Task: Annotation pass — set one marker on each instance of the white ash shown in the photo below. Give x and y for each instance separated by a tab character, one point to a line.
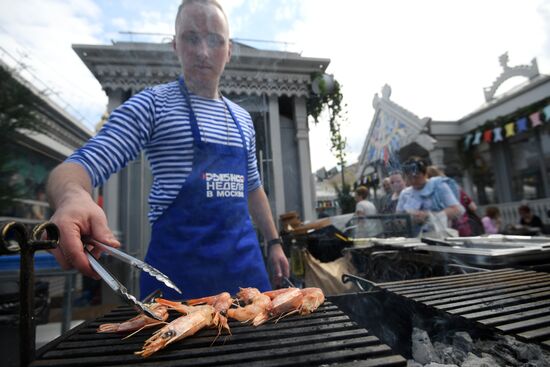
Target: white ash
462	351
422	349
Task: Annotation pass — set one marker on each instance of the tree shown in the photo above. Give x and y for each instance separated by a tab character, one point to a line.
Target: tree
345	198
17	113
331	97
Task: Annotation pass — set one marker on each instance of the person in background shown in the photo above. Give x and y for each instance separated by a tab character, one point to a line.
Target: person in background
363	206
491	221
425	196
40	208
469	224
365	227
528	219
386	199
198	144
397	185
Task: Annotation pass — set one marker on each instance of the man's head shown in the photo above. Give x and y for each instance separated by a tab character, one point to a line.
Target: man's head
397	182
414	170
386	185
361	193
202	44
524	212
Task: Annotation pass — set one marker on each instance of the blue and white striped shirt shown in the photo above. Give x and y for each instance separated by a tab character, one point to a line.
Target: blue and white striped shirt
156	120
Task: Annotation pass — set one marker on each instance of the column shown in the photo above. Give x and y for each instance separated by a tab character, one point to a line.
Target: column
111	199
112	208
302	139
277	155
436	157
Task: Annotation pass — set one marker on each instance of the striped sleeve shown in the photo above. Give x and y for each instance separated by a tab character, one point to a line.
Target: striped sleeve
120	140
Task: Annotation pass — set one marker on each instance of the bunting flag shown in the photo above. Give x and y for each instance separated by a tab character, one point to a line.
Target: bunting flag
467	141
477	138
535	119
511	128
521	124
497	135
488	136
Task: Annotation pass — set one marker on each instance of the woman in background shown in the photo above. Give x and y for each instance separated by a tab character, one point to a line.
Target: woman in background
425	197
491	221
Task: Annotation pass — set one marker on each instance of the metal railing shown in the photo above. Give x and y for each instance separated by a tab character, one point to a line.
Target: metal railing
509	211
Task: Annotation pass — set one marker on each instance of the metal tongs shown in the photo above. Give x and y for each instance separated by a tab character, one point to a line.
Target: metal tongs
115	284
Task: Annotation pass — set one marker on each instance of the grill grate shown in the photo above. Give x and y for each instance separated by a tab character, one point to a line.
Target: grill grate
327	336
511	301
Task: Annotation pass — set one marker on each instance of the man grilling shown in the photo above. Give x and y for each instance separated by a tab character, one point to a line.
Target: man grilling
201	148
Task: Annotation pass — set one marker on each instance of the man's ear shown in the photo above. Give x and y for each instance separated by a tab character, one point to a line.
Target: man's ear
174	43
229	51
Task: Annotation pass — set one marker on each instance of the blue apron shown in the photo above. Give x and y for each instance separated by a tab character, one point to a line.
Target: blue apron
205	241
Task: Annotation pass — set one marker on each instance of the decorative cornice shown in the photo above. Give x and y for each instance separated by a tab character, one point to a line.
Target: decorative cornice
528	71
135	66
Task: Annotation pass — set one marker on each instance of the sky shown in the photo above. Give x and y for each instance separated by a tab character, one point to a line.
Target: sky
436	55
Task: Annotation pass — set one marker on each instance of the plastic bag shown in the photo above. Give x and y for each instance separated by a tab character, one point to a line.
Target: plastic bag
436	226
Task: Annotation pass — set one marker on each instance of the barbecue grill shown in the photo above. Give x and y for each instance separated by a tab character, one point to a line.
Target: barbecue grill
511	301
327	336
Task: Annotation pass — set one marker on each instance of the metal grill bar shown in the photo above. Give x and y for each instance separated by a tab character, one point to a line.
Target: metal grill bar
327	336
511	301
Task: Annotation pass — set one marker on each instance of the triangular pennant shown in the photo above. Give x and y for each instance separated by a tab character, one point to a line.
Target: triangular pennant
521	124
546	112
477	138
467	141
509	127
488	136
535	119
497	134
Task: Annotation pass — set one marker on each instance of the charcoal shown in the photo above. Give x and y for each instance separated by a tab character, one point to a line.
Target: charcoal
485	360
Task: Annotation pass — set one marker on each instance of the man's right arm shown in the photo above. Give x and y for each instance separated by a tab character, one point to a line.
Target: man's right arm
76	214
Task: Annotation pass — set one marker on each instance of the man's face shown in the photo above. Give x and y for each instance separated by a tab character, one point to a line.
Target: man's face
397	182
202	44
416	180
387	186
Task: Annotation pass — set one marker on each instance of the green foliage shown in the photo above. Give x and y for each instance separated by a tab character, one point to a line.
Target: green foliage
17	112
332	101
345	198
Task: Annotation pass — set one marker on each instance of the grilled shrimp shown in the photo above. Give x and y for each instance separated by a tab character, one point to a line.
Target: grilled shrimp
313	298
221	303
137	323
255	301
283	303
178	306
178	329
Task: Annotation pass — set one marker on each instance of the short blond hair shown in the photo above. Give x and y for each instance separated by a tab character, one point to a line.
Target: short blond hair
202	2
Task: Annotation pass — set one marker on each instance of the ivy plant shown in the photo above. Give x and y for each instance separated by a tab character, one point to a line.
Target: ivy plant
331	100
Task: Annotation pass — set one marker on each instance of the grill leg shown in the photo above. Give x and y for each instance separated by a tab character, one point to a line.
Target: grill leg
67	302
27	331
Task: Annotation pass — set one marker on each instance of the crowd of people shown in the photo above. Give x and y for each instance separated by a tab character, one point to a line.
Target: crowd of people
437	203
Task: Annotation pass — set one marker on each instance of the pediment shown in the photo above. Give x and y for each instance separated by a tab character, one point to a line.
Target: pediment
392	128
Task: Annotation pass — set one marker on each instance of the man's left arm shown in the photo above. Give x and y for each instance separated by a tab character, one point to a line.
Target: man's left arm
258	205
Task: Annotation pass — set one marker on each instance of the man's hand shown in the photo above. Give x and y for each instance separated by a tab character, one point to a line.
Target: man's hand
419	216
279	264
76	215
